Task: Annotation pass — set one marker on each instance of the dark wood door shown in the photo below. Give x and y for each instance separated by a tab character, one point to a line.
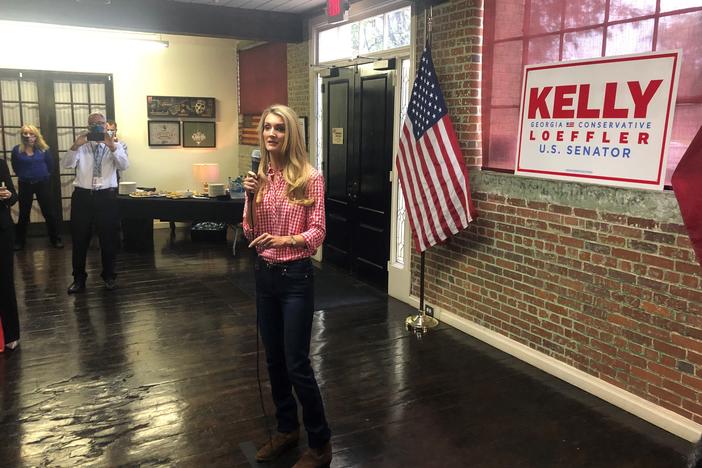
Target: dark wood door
358	133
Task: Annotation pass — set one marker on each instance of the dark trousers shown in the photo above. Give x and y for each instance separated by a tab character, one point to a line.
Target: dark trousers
8	298
285	303
26	193
97	209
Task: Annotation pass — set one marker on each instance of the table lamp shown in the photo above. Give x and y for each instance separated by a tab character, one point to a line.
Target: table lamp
206	173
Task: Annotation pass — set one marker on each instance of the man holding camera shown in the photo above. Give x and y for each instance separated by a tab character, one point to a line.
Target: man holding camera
96	158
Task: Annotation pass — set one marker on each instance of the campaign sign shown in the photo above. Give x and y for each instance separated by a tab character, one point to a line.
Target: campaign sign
605	121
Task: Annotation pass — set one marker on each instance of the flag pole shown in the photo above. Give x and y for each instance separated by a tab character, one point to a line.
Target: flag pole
421	322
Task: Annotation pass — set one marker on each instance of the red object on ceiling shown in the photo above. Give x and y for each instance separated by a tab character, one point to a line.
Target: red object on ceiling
263	77
333	7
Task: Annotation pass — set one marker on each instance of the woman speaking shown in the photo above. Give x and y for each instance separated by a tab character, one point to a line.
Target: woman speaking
286	225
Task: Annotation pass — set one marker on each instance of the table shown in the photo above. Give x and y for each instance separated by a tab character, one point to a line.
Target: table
138	214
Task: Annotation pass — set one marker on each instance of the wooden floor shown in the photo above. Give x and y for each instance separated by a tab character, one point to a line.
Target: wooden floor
162	372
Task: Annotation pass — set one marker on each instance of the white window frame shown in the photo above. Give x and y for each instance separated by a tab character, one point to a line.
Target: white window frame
399	275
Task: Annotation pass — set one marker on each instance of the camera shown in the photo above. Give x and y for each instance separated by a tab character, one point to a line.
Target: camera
97	133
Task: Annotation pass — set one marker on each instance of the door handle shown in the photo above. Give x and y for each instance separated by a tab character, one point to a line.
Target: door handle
353	191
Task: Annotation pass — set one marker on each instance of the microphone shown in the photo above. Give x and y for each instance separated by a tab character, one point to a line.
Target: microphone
255	160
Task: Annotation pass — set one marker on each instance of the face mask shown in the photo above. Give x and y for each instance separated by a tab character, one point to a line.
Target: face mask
25	139
111	133
97	128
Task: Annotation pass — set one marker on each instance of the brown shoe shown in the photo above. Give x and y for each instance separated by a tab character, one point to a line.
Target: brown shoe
281	442
315	458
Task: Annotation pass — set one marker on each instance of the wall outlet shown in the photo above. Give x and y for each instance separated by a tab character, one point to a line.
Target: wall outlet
429	310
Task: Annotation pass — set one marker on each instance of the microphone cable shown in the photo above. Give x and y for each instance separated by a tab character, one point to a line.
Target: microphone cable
258	349
258	379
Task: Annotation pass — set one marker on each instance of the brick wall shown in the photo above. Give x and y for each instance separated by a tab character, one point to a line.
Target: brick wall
600	278
298	78
456	50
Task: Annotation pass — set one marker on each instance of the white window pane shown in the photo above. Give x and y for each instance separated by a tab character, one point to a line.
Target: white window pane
97	93
99	109
62	91
9	90
12	137
397	28
66	186
670	5
80	92
63	115
544	49
11	114
80	115
582	44
626	9
28	91
65	138
630	38
684	32
401	216
335	43
30	114
371	35
320	131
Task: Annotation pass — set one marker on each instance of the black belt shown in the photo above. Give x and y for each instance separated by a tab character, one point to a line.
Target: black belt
105	190
272	265
93	192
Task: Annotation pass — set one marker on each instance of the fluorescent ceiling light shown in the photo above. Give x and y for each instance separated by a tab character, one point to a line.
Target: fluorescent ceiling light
88	40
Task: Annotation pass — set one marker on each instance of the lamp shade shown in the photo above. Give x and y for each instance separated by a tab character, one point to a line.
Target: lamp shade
206	172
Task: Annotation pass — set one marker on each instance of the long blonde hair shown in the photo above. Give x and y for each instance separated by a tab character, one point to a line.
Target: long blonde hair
40	143
297	169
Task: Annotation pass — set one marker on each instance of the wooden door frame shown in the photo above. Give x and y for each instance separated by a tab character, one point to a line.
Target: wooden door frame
47	111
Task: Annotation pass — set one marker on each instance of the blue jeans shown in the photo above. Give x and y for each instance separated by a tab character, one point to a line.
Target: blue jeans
285	303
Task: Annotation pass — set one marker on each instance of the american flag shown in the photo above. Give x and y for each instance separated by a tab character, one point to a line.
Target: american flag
430	166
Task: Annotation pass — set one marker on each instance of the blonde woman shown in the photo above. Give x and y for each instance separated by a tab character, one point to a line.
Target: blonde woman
33	165
288	226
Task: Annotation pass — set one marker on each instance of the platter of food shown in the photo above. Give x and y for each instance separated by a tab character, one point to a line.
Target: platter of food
144	194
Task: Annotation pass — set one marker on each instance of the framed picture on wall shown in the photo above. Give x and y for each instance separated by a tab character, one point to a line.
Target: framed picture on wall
180	107
199	135
164	133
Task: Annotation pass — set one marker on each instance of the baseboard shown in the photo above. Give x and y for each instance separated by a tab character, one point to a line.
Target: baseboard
644	409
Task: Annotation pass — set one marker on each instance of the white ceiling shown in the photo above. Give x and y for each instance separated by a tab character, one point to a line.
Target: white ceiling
285	6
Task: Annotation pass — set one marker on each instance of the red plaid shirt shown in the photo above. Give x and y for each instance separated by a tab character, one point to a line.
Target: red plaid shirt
277	216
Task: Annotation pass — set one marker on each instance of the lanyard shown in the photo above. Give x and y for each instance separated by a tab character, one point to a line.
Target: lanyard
97	158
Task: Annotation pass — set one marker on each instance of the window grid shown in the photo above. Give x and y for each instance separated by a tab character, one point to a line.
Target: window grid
93	104
5	125
527	39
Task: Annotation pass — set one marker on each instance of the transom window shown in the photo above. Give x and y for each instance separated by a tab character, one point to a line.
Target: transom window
522	32
390	30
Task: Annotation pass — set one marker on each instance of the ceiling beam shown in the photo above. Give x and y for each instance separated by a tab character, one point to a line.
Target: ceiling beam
159	16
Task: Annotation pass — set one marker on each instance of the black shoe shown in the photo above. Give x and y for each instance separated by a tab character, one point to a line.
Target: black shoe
57	243
76	287
18	246
110	284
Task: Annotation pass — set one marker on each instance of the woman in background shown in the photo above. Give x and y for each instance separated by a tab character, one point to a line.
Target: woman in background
286	225
8	299
32	164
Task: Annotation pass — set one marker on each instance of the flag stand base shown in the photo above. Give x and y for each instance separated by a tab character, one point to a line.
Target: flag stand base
420	323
